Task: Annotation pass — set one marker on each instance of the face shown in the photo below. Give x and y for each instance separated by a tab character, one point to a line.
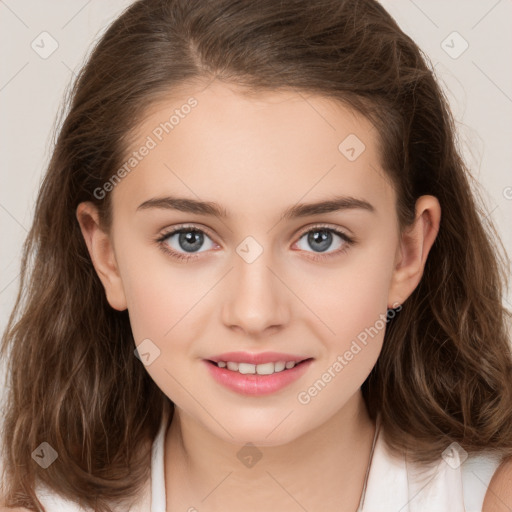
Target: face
314	284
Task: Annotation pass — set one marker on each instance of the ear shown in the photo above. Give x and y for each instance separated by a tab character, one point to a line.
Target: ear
102	254
413	249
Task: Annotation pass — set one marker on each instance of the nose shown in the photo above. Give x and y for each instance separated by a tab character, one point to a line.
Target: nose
256	297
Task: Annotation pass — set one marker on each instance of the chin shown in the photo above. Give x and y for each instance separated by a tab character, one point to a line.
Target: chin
261	432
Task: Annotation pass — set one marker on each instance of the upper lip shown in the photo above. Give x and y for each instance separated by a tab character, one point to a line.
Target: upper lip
260	358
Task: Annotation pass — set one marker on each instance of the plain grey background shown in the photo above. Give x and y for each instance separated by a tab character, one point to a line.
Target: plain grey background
468	41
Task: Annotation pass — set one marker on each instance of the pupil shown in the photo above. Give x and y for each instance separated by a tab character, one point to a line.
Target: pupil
190	238
324	239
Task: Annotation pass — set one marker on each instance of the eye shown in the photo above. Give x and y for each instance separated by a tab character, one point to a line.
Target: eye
320	238
184	242
185	238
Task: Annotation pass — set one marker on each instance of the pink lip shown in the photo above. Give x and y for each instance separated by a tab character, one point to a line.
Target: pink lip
254	384
261	358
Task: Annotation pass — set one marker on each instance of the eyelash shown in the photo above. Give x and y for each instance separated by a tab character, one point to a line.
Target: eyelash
190	228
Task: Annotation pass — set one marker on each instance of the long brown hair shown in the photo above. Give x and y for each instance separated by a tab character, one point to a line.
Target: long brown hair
445	370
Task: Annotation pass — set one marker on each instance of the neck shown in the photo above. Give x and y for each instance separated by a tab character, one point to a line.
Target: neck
324	469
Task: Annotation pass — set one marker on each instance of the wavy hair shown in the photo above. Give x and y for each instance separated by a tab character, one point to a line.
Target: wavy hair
445	370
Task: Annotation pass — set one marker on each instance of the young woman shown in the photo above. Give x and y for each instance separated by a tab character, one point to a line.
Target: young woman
257	278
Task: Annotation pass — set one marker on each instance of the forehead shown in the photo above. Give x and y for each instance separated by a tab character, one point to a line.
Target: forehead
252	152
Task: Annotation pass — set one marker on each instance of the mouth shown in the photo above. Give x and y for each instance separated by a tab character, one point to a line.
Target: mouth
258	369
257	379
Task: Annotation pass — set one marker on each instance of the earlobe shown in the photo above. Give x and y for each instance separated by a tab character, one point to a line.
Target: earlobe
102	254
413	249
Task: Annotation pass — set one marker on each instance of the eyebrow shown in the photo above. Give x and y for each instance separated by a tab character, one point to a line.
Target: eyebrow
187	205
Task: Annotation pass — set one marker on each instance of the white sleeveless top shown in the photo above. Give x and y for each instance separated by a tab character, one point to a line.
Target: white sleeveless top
393	484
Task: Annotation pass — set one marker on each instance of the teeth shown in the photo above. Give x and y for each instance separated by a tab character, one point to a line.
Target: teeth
260	369
280	366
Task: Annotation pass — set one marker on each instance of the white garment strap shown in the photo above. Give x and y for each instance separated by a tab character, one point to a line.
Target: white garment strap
448	485
158	497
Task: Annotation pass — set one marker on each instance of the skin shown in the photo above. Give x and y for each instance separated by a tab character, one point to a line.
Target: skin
499	494
255	157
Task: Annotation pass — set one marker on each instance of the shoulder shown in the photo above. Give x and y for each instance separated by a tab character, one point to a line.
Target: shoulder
498	497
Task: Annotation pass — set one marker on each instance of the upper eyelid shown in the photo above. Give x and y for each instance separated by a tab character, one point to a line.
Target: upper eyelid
191	227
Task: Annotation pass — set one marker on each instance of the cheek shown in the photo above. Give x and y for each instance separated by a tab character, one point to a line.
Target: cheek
163	307
357	319
363	298
352	296
159	301
158	292
352	307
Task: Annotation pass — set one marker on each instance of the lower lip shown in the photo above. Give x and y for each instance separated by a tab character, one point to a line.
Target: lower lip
254	384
